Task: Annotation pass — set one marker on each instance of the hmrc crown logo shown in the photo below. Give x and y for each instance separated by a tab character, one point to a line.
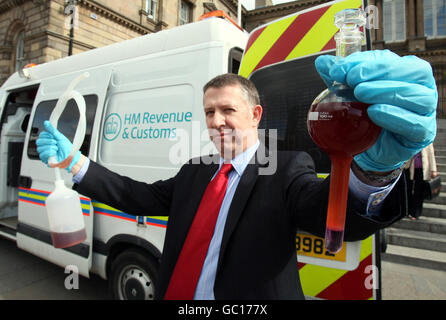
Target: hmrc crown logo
112	127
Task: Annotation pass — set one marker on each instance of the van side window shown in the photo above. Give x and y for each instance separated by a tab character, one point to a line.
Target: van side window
235	57
287	90
20	99
67	122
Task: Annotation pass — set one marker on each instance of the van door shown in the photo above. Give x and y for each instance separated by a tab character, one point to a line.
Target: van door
14	119
37	180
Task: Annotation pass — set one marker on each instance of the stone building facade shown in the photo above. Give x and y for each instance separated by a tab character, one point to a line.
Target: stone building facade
38	31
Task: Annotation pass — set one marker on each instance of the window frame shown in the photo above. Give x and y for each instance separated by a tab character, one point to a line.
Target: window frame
393	22
151	8
189	7
434	21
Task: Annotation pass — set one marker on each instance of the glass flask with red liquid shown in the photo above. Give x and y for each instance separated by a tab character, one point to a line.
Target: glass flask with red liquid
338	123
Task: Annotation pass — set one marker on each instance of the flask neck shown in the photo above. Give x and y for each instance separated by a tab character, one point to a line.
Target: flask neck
348	42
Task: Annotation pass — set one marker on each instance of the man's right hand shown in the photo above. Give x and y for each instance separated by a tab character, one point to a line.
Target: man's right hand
52	143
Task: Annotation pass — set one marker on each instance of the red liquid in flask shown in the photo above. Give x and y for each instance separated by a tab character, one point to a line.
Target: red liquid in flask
342	130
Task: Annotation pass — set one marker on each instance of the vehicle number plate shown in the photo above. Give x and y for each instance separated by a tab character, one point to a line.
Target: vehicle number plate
312	246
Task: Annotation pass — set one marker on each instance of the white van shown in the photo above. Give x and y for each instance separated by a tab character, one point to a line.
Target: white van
145	118
140	95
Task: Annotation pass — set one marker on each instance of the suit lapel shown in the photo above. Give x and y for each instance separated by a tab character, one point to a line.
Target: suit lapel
241	196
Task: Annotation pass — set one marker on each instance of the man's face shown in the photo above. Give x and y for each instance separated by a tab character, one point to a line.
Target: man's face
231	121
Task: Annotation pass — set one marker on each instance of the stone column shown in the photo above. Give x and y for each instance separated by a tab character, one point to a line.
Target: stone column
412	19
416	39
379	37
420	18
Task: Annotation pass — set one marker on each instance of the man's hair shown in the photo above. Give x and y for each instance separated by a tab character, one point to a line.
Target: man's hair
230	79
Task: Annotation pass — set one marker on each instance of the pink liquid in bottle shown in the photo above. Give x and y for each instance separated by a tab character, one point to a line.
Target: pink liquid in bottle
68	239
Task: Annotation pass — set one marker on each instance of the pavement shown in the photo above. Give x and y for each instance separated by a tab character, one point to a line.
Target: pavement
405	282
24	276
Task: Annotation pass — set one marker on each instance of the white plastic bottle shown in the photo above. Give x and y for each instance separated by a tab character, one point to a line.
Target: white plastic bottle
65	216
63	205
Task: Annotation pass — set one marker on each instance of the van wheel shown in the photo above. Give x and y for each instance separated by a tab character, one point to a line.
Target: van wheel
132	276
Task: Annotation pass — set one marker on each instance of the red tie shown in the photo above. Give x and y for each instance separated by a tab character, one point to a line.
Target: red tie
188	268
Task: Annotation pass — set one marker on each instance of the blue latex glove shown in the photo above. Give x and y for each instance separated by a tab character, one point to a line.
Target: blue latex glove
403	100
53	143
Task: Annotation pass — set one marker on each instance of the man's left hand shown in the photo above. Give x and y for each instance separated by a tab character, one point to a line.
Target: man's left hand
403	99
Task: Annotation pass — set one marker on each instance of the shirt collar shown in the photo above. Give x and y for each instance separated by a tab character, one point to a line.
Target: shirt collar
241	161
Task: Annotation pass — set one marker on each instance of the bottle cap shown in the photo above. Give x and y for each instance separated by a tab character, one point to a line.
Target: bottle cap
350	19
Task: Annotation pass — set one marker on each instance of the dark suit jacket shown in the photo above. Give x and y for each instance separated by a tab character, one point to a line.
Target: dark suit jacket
258	253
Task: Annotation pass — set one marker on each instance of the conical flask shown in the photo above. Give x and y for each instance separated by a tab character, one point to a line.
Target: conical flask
63	205
338	123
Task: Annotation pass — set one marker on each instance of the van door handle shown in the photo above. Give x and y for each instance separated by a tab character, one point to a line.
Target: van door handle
141	221
25	182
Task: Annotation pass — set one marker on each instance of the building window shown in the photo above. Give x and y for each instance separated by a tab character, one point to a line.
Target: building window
434	18
185	12
151	9
394	22
20	51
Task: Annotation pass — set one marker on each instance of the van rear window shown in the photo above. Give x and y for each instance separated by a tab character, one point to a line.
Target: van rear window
235	57
286	91
67	122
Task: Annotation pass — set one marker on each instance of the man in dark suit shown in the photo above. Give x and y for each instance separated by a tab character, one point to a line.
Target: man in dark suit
251	252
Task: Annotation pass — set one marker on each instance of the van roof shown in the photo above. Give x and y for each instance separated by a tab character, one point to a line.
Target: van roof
209	30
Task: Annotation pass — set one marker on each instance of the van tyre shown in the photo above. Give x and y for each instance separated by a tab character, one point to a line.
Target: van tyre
132	276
